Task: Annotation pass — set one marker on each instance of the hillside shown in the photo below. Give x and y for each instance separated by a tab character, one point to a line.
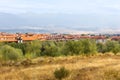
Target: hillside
102	67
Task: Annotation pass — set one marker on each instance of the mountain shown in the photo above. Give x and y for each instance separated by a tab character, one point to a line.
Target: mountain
59	22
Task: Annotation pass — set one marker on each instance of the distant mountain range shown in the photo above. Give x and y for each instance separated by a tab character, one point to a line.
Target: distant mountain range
59	30
59	23
43	30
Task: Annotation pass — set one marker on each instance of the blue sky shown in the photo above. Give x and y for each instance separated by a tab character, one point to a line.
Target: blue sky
88	15
61	6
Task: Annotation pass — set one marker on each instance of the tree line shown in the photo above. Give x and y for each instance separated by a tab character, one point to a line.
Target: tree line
33	49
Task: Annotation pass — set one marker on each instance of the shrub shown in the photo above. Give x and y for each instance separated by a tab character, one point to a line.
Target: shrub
101	48
88	46
116	48
21	46
10	53
50	49
33	49
61	73
72	48
84	46
113	46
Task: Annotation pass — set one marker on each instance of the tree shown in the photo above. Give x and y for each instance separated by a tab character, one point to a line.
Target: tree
113	46
116	48
101	47
21	46
88	46
9	53
33	49
50	49
84	46
110	45
72	47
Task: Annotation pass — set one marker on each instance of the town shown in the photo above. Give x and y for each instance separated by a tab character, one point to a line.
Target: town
26	37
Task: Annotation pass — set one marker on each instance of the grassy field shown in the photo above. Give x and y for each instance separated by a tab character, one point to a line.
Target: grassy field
102	67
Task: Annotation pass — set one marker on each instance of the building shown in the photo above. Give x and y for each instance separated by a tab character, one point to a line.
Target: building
115	38
19	37
99	39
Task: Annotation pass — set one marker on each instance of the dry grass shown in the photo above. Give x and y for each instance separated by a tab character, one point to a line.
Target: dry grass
101	67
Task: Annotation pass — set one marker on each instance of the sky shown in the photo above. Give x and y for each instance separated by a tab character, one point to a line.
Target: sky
60	6
73	15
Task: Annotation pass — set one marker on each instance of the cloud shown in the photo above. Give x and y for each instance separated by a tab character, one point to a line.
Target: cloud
22	6
109	31
73	14
61	6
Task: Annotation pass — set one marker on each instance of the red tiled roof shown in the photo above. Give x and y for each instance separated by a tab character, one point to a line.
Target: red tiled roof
115	38
98	37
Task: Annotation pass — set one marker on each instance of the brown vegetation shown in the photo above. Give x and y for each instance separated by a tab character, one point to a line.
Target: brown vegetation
102	67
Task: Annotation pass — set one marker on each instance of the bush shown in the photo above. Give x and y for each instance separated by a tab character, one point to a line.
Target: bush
72	48
113	46
10	53
61	73
33	49
84	46
116	48
88	46
21	46
101	48
109	46
50	49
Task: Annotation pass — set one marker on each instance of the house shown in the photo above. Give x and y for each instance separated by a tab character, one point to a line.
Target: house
19	37
115	38
99	39
5	37
84	37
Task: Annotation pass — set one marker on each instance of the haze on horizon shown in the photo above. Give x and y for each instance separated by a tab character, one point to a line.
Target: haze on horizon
72	15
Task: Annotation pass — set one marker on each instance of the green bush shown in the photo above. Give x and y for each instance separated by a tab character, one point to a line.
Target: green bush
21	46
116	48
84	46
50	49
61	73
10	53
33	49
101	48
88	46
109	46
72	48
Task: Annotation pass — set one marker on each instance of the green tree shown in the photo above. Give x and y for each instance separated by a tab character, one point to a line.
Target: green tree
113	46
89	46
21	46
33	49
101	47
84	46
72	47
110	45
116	48
9	53
50	49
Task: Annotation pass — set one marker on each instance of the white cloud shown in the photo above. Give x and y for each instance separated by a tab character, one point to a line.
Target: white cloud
22	6
109	30
98	12
61	6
